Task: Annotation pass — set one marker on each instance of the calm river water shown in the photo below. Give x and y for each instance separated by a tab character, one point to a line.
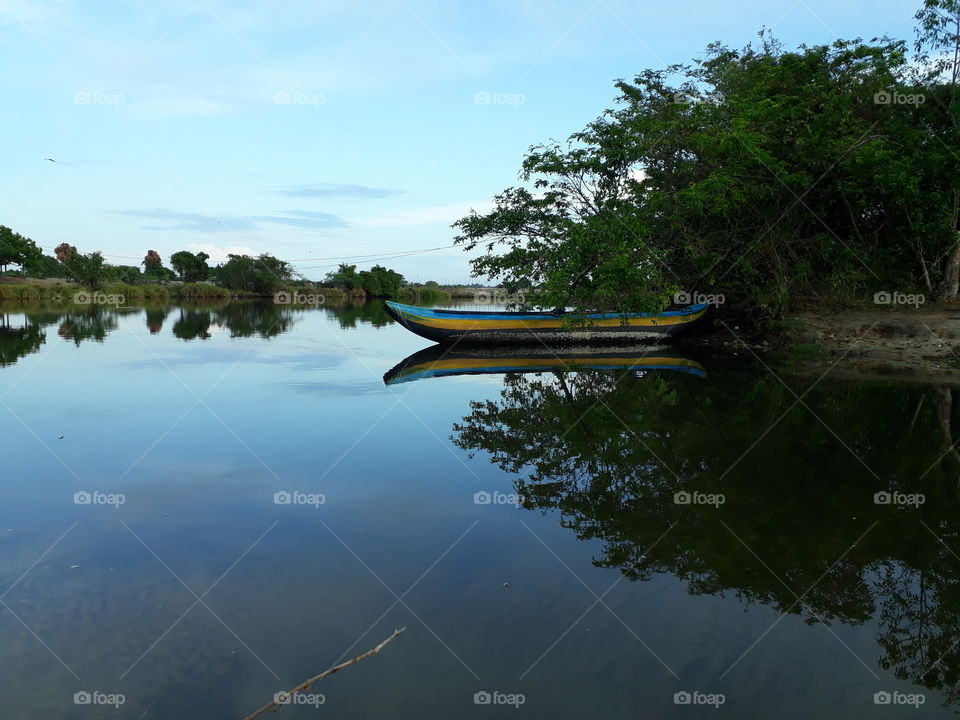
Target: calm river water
201	507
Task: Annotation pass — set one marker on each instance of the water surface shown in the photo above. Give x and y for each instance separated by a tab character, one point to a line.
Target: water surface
595	540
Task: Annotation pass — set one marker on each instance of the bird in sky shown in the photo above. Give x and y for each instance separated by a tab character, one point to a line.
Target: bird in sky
50	159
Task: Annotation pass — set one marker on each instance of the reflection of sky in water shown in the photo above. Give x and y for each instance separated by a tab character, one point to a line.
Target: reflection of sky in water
199	435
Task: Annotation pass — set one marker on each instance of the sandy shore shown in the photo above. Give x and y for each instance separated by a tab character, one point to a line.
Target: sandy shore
922	344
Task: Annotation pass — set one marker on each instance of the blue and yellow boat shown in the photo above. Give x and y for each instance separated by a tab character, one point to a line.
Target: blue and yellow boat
443	361
511	327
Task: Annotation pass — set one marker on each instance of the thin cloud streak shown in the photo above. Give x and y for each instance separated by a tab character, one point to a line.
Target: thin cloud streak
197	222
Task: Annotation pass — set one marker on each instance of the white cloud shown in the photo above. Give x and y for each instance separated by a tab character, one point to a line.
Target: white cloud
218	254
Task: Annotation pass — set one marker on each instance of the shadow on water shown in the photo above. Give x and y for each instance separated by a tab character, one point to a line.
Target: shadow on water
666	470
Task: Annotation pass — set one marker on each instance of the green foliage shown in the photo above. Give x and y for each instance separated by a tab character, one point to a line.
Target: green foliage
20	292
261	275
15	249
199	290
191	267
90	271
379	281
43	266
761	174
134	293
345	277
126	274
422	294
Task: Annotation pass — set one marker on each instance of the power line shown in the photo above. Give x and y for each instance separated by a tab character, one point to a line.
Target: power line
373	255
362	258
383	257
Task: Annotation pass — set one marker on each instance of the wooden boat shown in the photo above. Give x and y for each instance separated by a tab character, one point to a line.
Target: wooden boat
441	361
501	327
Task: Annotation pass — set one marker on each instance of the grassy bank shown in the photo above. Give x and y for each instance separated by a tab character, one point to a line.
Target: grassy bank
67	292
48	291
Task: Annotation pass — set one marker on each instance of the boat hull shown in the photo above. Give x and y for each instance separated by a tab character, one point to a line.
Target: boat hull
445	326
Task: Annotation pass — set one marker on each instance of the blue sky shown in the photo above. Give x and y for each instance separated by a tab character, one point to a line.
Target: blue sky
320	130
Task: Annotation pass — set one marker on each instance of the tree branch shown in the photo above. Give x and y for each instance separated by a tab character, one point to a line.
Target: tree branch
305	685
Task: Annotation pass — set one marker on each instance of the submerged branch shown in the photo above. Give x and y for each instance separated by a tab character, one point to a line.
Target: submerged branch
305	685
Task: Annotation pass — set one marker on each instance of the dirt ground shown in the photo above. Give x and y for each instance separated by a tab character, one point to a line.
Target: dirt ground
920	344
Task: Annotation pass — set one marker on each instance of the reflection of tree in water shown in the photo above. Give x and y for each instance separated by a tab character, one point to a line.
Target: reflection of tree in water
349	313
155	318
920	622
16	343
610	450
264	319
243	319
192	324
95	322
90	323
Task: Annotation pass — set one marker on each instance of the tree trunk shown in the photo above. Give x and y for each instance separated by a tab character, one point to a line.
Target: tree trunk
950	282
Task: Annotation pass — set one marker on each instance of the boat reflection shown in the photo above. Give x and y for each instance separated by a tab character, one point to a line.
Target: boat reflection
440	361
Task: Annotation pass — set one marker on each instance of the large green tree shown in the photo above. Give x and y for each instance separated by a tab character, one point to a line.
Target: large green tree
88	270
345	277
15	249
191	267
761	174
379	281
264	274
938	43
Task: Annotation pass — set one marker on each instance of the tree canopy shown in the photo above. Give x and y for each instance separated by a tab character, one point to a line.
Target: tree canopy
190	267
378	281
15	249
766	175
262	274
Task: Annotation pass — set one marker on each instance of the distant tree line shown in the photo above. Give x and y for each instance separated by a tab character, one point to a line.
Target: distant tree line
263	274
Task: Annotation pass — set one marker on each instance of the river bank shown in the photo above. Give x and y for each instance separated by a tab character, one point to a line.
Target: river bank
14	289
908	344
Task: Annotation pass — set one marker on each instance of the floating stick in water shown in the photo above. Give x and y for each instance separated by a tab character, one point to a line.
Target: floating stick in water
305	685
